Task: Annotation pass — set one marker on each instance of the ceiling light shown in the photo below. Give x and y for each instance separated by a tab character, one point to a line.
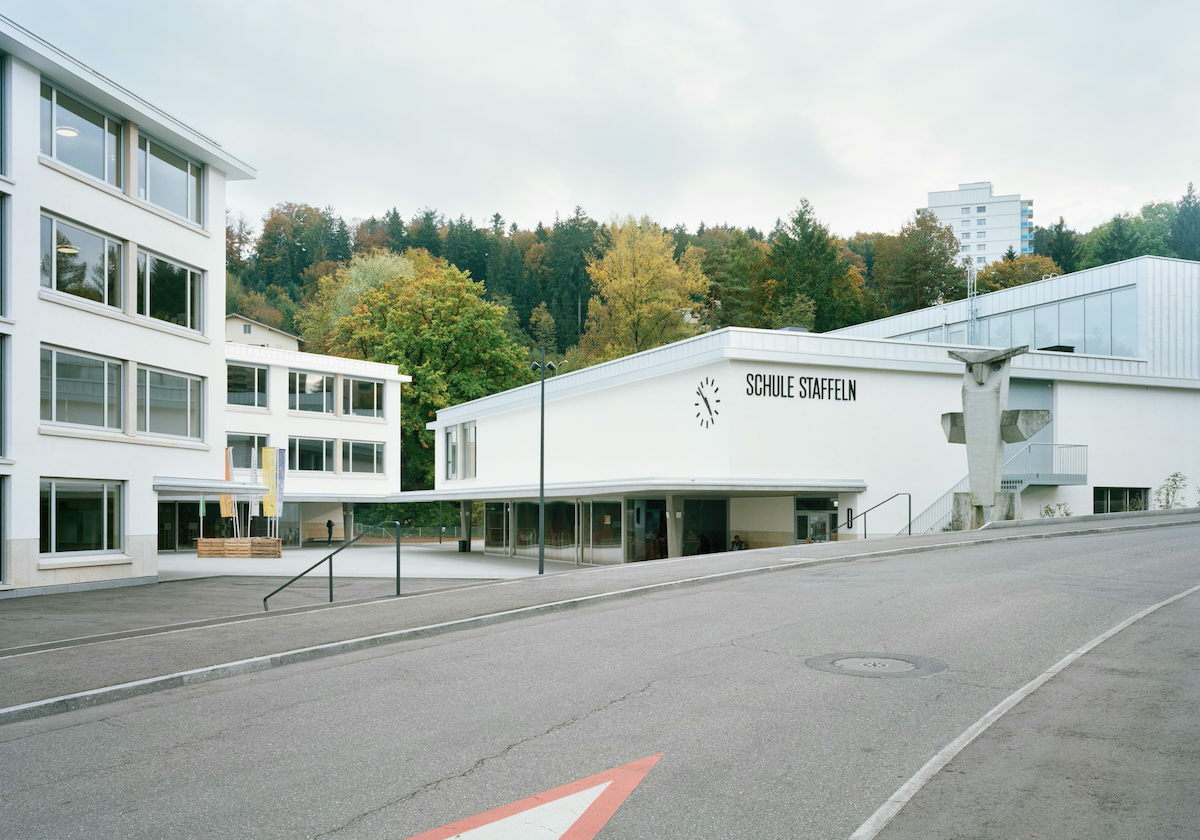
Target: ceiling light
66	131
67	248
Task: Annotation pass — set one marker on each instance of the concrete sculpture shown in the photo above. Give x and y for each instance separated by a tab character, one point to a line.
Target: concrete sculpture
985	426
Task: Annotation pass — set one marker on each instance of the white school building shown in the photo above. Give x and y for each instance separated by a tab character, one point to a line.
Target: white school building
778	436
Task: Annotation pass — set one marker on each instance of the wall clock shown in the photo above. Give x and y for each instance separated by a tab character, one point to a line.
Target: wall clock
708	402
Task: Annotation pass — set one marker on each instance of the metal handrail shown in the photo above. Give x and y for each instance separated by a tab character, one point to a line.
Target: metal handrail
849	523
329	557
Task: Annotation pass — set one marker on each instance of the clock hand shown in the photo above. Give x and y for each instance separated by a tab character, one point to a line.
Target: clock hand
706	405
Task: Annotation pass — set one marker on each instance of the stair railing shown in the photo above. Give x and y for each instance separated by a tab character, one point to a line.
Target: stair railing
852	518
329	558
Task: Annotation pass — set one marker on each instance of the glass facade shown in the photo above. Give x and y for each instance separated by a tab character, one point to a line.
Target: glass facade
80	262
362	397
308	391
451	453
80	136
246	385
1120	499
469	450
169	180
362	456
1102	324
168	403
310	454
79	516
246	449
81	390
169	291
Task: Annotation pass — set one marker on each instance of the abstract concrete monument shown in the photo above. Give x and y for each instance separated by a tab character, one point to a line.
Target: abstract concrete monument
985	426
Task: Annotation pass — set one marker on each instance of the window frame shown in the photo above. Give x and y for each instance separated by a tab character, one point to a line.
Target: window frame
377	457
54	350
260	442
143	408
328	453
109	241
981	208
469	450
196	202
120	177
195	294
111	489
294	394
347	396
262	373
450	455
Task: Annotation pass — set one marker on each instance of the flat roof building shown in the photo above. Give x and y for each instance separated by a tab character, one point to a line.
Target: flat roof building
986	225
776	436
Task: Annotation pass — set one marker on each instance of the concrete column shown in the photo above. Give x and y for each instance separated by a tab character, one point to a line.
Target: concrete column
464	521
674	526
347	520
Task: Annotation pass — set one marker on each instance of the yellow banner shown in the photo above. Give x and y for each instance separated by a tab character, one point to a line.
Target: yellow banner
228	508
270	502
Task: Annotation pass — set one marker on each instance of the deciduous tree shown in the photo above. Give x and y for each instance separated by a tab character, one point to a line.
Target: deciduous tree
1004	274
917	268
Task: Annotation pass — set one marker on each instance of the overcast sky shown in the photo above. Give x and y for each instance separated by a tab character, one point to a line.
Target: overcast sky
689	111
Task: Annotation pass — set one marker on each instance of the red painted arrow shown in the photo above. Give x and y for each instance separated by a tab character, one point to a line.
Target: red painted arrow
575	811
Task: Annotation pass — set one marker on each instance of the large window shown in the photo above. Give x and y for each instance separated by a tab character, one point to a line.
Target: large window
246	385
362	456
169	403
246	449
169	180
1120	499
362	397
79	516
81	262
80	136
81	390
468	470
451	452
310	454
309	391
169	291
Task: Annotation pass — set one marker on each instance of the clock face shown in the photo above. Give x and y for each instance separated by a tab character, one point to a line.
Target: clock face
708	402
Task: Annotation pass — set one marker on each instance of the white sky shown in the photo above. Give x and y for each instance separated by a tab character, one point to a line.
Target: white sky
684	111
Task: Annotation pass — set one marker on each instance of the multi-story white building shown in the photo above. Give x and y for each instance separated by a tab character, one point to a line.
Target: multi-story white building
113	304
986	225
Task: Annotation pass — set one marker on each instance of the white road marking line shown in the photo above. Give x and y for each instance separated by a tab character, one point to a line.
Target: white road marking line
876	822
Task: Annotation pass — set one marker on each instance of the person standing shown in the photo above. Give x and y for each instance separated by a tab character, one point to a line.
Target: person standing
329	531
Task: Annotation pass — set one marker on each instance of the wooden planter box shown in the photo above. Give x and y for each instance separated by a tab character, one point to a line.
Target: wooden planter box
239	547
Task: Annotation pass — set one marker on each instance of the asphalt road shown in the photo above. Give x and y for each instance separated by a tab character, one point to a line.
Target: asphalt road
394	741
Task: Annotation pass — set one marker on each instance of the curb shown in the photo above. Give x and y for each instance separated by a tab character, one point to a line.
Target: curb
136	688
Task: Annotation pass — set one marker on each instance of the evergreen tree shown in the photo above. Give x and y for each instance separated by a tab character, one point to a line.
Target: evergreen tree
1184	237
1117	241
542	329
425	232
805	259
1010	254
395	231
570	243
466	247
1059	243
339	244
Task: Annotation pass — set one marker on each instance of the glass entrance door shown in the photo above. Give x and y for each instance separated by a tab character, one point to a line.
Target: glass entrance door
816	518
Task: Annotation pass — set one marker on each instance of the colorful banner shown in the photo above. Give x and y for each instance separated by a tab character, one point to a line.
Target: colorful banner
270	502
228	508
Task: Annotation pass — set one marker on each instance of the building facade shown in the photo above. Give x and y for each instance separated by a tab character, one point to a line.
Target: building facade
781	437
113	270
986	225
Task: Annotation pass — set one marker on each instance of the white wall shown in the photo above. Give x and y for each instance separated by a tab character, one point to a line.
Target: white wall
235	330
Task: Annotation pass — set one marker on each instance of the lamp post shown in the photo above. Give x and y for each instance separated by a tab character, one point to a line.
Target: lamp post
542	367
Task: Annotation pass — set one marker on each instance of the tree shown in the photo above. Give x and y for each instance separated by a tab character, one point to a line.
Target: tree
436	327
1006	273
1010	254
1059	243
567	283
338	291
238	242
1152	228
542	329
863	244
644	297
466	247
395	232
917	268
1116	241
425	232
1184	236
736	267
805	259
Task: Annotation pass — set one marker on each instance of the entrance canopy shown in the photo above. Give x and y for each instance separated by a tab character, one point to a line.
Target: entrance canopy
169	486
637	487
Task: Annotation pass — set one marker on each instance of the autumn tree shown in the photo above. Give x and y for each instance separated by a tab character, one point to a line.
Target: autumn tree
338	291
1004	274
238	243
542	329
1184	235
434	325
916	268
644	297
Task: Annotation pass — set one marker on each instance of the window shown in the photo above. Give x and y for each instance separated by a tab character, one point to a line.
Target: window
246	385
169	291
80	136
81	262
246	449
981	247
362	397
452	452
982	234
981	209
169	180
469	450
245	329
362	456
1120	499
81	390
310	454
309	391
168	403
979	260
980	222
966	235
79	516
966	210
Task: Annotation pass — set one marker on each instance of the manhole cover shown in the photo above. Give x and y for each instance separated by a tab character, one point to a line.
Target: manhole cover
866	664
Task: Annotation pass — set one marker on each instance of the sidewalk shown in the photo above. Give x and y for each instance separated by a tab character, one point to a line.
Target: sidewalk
221	647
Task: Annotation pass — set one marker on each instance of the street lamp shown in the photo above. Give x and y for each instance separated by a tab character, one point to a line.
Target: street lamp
542	367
